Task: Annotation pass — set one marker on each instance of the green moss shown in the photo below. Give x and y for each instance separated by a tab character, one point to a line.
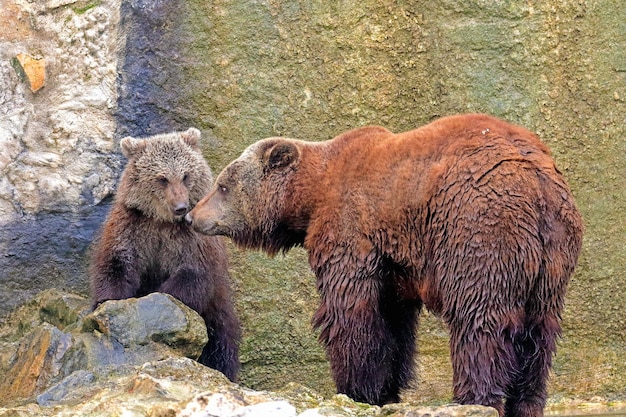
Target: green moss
19	70
86	7
587	368
276	299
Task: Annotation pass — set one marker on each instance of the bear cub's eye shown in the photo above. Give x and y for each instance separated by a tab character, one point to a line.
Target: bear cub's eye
222	188
163	181
185	178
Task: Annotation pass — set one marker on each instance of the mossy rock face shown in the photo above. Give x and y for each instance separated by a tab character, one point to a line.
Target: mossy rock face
276	299
314	69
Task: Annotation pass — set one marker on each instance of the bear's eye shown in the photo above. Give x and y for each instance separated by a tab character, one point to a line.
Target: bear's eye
222	188
162	180
185	178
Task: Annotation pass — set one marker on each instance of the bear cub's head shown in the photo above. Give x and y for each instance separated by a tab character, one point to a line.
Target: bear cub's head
248	202
166	174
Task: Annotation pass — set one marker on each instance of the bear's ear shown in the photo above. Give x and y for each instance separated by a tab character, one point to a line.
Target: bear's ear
132	146
192	138
281	155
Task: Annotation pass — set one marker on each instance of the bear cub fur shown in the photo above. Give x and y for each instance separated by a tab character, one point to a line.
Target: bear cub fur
145	246
467	216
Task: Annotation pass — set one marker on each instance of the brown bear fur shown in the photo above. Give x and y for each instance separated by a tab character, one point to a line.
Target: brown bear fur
145	246
467	216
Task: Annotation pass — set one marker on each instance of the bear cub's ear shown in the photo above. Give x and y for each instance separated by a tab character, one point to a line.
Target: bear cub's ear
132	146
281	155
192	138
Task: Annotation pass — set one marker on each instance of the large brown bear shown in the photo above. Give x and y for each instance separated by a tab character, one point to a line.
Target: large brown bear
146	246
468	216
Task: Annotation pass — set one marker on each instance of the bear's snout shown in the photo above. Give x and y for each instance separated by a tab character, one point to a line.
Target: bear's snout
180	209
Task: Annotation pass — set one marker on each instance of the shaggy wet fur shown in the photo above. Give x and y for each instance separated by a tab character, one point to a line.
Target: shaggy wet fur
146	247
467	216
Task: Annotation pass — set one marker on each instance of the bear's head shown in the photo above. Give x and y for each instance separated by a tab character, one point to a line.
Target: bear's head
165	176
249	200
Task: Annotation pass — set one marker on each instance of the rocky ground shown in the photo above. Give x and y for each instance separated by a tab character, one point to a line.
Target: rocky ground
132	358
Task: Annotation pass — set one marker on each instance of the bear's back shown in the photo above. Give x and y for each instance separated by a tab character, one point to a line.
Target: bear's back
453	136
377	165
462	135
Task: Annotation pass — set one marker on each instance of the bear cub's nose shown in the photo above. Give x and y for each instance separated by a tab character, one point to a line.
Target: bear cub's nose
180	209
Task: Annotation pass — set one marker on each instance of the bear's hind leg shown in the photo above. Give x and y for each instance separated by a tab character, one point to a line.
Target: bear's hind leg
483	365
534	348
210	296
222	350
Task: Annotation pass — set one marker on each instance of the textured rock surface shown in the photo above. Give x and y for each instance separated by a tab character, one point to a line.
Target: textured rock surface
61	135
57	150
53	344
241	70
113	362
153	318
152	63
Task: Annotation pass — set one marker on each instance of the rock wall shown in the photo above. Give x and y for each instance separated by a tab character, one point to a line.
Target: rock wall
58	157
241	70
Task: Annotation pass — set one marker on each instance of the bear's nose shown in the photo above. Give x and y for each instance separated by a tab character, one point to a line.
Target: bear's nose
180	209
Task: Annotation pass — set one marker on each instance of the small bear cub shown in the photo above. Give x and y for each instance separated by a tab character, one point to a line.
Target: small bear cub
145	246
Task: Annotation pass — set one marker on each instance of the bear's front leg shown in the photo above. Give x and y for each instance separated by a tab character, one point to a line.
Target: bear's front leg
114	275
222	350
359	342
192	286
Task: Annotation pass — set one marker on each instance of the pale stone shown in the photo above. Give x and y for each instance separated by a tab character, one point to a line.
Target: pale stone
217	405
268	409
9	148
44	159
